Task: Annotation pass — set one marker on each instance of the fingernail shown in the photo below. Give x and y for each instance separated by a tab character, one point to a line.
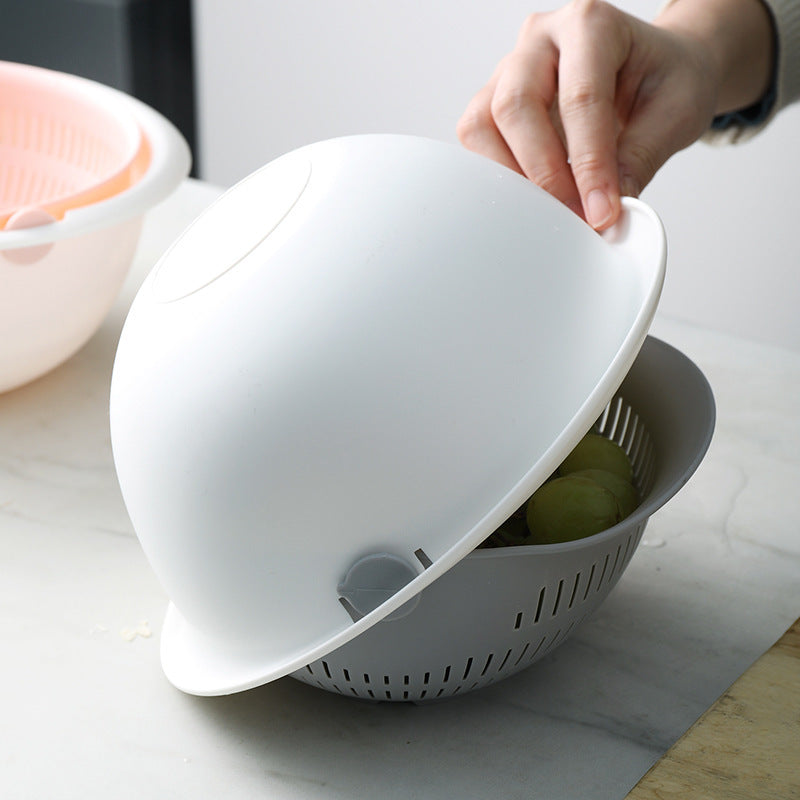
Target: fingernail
598	208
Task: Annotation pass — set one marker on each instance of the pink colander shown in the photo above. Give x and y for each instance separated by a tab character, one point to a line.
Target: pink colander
80	166
63	145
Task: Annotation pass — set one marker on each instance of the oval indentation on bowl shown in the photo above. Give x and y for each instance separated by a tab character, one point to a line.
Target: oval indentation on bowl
230	229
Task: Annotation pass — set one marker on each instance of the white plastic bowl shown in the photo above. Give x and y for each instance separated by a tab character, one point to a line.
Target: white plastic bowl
365	355
61	269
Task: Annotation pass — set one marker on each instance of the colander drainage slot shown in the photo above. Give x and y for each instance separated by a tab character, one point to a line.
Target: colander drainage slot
503	662
574	590
558	597
616	561
539	606
423	558
637	438
625	552
589	582
602	574
539	647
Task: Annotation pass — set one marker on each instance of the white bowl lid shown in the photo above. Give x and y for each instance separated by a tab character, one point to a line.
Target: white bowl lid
345	375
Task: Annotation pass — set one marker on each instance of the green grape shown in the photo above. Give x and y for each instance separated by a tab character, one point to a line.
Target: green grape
514	531
570	508
624	491
597	452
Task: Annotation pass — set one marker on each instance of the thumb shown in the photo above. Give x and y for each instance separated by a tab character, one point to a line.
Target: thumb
638	161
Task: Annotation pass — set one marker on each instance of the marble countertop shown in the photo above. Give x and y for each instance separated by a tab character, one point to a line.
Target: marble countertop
87	713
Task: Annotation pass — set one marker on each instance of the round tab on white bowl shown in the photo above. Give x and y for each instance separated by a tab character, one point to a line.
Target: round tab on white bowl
230	229
372	580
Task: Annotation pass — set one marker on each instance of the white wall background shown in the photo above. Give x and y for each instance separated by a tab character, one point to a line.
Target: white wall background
276	75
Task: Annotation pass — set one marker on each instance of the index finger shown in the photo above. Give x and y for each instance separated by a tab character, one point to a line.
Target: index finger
521	109
477	130
587	78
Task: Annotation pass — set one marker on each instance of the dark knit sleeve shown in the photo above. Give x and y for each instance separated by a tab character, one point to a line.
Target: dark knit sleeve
741	125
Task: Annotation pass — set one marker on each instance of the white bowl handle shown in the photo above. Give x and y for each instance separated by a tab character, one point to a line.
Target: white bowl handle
639	234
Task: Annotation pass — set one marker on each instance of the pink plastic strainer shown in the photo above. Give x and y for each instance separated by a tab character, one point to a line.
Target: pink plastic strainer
62	146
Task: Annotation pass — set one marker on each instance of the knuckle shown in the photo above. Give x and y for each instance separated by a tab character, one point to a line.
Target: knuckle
474	123
584	8
507	103
576	98
594	21
531	25
549	174
585	166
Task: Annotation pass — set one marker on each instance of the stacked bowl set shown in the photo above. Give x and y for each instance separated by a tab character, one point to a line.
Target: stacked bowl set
337	383
80	165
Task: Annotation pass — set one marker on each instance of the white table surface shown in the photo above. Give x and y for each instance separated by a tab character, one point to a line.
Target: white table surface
87	713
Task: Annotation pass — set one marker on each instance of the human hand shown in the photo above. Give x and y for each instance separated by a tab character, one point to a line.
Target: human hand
592	101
